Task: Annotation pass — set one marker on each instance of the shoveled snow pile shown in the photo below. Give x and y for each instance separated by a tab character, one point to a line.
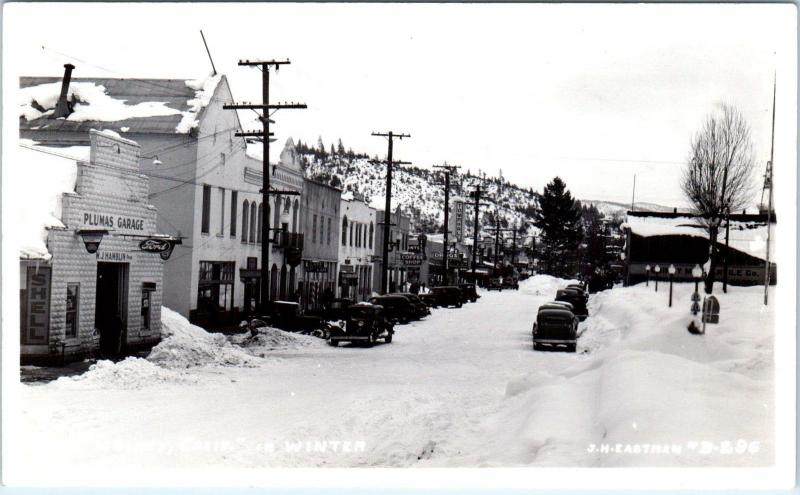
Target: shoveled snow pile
132	373
271	339
93	103
641	383
185	345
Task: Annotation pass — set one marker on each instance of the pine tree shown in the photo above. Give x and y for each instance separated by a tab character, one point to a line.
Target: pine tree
340	148
558	217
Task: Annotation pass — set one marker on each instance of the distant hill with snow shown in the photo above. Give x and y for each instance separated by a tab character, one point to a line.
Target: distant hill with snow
419	193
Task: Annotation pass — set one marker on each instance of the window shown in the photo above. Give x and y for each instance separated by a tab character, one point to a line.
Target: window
206	209
222	159
329	231
215	288
73	299
321	229
260	219
221	211
344	231
234	204
314	230
351	235
253	220
245	214
371	234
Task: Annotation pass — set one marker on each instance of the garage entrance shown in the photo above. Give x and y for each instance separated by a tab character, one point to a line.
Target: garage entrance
111	307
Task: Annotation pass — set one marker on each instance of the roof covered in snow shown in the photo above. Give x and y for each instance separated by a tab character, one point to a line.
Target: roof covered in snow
163	106
748	233
43	174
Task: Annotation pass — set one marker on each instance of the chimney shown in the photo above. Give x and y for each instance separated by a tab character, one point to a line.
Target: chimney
63	107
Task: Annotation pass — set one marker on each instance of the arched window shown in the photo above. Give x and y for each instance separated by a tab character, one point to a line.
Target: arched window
295	210
371	232
344	231
260	219
358	234
253	219
277	213
245	214
351	234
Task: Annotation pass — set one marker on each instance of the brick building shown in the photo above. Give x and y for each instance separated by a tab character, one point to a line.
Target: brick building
91	275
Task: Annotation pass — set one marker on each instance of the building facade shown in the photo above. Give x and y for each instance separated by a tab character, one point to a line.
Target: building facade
320	226
96	284
679	239
204	181
356	248
399	238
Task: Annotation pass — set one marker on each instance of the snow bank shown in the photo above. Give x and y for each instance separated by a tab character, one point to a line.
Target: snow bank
132	373
271	339
185	345
93	103
54	172
204	91
640	379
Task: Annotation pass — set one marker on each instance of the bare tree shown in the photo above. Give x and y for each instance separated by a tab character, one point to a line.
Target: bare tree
719	176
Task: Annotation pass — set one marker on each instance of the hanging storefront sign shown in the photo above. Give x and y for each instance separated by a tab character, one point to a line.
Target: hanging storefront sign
458	218
154	245
315	267
411	259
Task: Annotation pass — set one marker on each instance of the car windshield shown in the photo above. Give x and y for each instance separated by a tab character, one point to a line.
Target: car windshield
360	312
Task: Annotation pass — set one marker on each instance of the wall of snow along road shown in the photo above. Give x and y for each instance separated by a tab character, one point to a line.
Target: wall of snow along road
643	391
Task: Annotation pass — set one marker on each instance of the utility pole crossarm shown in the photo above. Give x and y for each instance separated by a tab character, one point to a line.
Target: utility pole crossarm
252	134
391	135
259	63
256	106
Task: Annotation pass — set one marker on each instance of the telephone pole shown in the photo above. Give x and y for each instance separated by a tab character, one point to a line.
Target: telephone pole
264	107
771	183
476	228
448	169
387	219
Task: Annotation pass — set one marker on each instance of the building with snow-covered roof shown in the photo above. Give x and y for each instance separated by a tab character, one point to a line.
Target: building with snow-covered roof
91	255
664	238
204	180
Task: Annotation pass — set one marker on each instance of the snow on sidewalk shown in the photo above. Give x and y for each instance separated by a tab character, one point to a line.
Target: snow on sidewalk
643	382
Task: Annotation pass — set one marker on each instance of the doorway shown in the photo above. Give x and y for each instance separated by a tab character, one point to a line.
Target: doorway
111	307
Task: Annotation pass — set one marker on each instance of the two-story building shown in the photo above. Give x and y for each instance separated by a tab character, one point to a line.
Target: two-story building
91	255
356	248
320	226
204	180
399	236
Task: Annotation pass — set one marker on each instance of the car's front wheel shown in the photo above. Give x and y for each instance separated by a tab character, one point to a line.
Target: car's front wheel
333	343
388	338
572	347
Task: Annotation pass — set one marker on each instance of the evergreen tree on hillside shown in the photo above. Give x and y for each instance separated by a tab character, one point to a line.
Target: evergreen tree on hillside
340	148
558	217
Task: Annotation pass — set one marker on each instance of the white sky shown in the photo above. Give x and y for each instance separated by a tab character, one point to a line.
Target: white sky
593	93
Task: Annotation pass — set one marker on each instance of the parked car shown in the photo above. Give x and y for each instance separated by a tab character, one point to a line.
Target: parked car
555	327
448	295
577	298
289	316
365	323
337	309
469	291
510	283
396	308
416	302
494	283
429	300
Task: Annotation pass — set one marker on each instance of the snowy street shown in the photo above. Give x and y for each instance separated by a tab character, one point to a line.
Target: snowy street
462	387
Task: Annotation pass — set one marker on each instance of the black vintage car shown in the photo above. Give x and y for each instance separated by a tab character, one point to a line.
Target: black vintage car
555	327
420	307
365	323
396	308
337	309
494	283
289	316
448	295
577	298
511	283
469	292
429	300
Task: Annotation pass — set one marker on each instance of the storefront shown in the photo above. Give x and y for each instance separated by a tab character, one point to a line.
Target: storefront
91	282
318	285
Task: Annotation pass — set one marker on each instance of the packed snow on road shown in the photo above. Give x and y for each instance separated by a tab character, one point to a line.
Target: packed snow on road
462	387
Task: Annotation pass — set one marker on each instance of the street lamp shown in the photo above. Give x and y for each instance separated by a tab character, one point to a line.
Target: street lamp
657	269
92	238
647	269
671	271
